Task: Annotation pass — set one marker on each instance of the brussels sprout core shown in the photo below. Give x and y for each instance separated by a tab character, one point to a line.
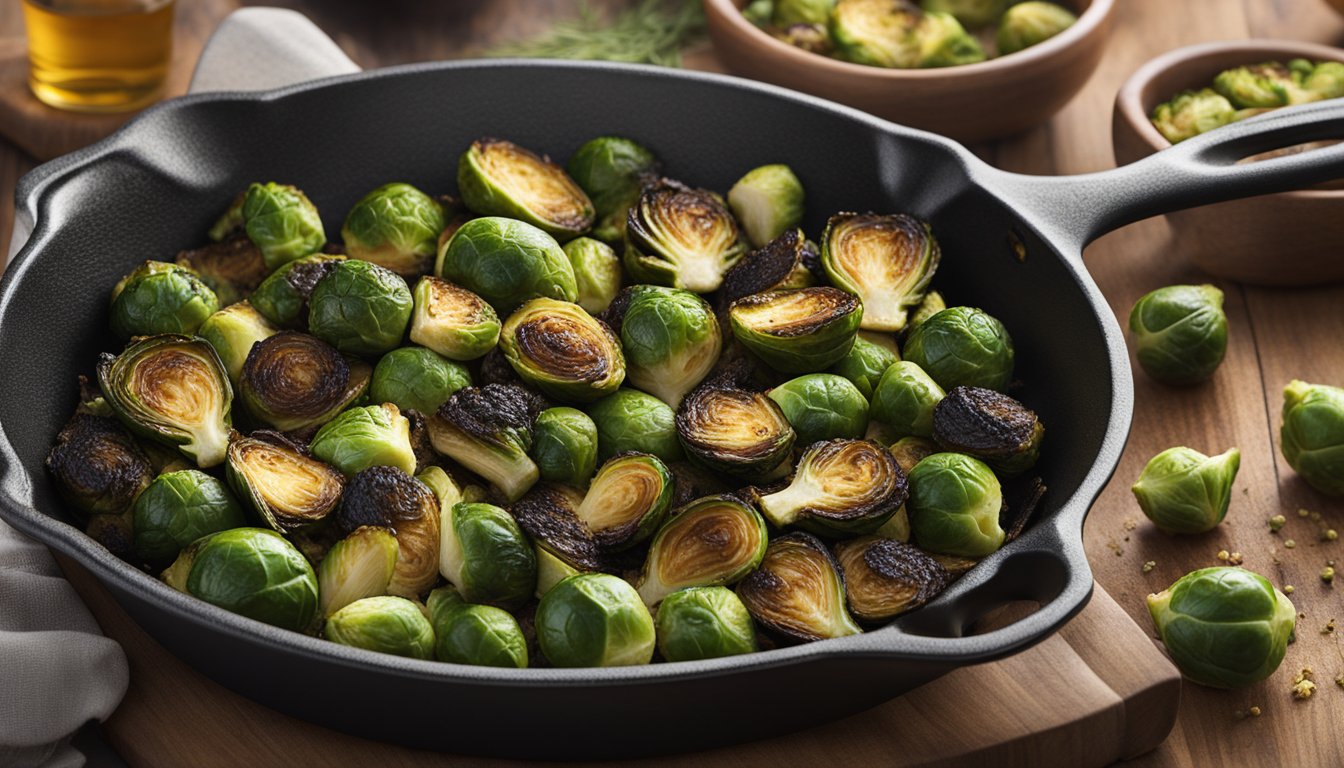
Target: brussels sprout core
627	500
500	178
798	591
1312	436
563	351
681	237
594	620
286	488
292	380
885	578
842	487
734	431
798	331
715	540
887	261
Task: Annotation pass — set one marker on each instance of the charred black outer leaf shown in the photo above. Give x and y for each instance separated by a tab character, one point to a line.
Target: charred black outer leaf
232	268
98	466
383	496
885	577
990	426
769	267
425	457
547	516
1021	497
495	413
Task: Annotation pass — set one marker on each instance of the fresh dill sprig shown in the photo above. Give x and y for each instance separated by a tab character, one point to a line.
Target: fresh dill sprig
650	32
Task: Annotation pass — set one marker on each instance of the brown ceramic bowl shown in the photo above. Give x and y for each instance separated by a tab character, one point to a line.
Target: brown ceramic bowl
972	102
1293	238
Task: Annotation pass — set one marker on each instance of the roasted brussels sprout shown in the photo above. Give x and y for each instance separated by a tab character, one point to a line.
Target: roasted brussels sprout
173	390
500	178
489	431
798	331
232	269
452	321
905	400
972	13
887	261
1030	23
670	337
1180	333
253	572
864	365
909	451
230	223
388	497
1191	113
789	12
789	261
159	297
564	446
360	308
507	262
1312	435
395	226
283	296
594	620
943	42
963	346
547	514
931	305
1183	491
1224	627
990	426
1324	81
954	506
368	436
551	569
885	578
563	351
98	467
841	488
486	556
767	201
232	331
283	485
416	379
628	499
880	33
1259	86
282	223
681	237
612	170
739	433
758	12
358	566
178	508
630	420
813	38
798	591
597	272
822	406
292	381
712	541
480	635
384	624
704	623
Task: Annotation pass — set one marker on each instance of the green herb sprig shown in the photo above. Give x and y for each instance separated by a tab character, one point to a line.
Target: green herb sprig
649	32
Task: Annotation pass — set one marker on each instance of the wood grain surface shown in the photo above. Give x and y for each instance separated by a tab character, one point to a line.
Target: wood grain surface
1276	335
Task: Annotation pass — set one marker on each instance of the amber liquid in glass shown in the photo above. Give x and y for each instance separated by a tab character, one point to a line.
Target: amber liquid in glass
98	55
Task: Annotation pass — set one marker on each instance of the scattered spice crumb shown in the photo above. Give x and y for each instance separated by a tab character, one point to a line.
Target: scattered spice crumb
1254	711
1340	681
1287	589
1223	555
1303	513
1149	566
1328	574
1131	524
1289	543
1330	534
1115	547
1235	559
1276	522
1316	516
1329	627
1303	687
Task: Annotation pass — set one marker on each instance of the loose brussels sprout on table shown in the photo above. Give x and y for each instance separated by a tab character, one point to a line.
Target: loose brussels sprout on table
506	262
1312	435
1183	491
161	298
887	261
670	338
395	226
963	346
281	221
682	237
1180	333
452	321
292	381
564	446
500	178
481	635
841	488
594	620
954	506
253	572
385	624
704	623
178	508
822	406
798	331
563	351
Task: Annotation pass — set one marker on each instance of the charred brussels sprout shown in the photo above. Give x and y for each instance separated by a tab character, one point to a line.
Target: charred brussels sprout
880	33
369	436
1192	113
159	297
681	237
906	399
358	566
480	635
798	331
822	406
943	42
909	451
630	420
232	269
283	296
1224	627
507	262
597	272
813	38
972	13
1259	86
789	12
885	578
232	331
627	501
360	308
1312	436
798	591
173	390
1180	333
179	508
611	170
954	506
252	572
395	226
486	556
767	201
789	261
1031	23
452	321
384	624
489	431
1183	491
671	340
500	178
292	380
564	446
864	365
594	620
932	304
284	486
416	379
98	466
990	426
563	351
887	261
704	623
712	541
387	497
739	433
282	223
963	346
841	488
547	514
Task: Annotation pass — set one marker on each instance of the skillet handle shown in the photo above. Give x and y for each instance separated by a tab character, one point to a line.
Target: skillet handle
1202	170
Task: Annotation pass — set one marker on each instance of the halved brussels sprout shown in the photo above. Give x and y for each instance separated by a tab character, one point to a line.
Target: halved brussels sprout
452	321
232	331
822	406
284	486
563	351
1191	113
480	635
98	467
813	38
864	365
954	506
1180	333
799	331
905	400
253	572
798	591
992	427
395	226
369	436
932	304
887	261
384	624
388	497
594	620
704	623
1027	24
282	223
159	297
963	346
489	431
564	446
943	42
1325	80
972	13
909	451
547	514
500	178
878	33
767	201
627	500
1183	491
283	296
486	556
885	578
611	170
787	262
1258	86
670	338
597	272
358	566
292	381
232	269
416	379
739	433
897	526
551	570
712	541
360	308
1312	435
230	223
630	420
681	237
841	488
178	508
507	262
173	390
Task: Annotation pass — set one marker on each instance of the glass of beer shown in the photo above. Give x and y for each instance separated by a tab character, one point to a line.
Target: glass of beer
98	55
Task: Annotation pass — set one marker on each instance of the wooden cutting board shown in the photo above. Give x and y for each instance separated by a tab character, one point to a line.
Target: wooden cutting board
1097	692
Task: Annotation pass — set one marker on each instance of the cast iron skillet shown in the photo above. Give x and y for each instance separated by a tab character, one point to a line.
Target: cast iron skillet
157	185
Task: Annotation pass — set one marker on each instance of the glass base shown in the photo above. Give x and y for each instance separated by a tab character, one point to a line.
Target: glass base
101	100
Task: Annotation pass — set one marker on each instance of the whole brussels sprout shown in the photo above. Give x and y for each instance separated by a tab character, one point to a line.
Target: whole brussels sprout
864	365
789	12
564	446
932	304
507	262
630	420
800	331
1183	491
611	169
954	506
485	555
282	223
963	345
1030	23
943	42
1180	333
597	272
500	178
1258	86
178	508
990	426
1191	113
1324	81
768	200
1312	435
416	379
384	624
232	331
253	572
481	635
563	351
704	623
822	406
887	261
905	399
369	436
159	297
972	13
453	321
879	33
360	308
1224	627
671	340
283	296
594	620
395	226
98	466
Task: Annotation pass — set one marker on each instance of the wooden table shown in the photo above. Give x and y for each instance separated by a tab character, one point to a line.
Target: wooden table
1276	335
